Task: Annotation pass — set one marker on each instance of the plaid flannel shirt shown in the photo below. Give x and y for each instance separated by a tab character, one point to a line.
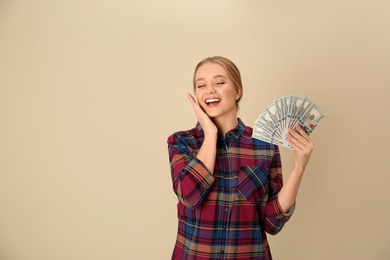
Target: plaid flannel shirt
226	214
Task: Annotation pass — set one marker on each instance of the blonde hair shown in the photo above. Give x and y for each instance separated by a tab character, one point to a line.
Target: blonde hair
231	69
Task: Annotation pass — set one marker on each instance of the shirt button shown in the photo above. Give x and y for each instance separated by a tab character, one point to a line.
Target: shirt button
226	209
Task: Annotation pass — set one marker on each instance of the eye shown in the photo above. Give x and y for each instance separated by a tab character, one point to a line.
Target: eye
200	86
220	83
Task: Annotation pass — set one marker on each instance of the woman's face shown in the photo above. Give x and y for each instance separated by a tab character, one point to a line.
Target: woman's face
215	91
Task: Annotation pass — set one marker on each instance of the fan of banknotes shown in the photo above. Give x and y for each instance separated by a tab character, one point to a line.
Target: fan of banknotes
274	121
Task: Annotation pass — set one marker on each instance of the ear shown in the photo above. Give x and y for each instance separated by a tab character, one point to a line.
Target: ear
238	95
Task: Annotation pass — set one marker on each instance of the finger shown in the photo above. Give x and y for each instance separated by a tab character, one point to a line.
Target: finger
191	99
298	140
303	136
193	103
197	109
295	143
301	131
300	136
294	136
300	144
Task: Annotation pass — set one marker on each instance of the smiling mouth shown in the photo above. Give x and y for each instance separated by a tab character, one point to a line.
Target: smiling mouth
212	101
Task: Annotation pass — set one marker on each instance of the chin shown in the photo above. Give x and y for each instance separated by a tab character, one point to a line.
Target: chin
212	115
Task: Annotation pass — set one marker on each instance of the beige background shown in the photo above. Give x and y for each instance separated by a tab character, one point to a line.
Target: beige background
90	91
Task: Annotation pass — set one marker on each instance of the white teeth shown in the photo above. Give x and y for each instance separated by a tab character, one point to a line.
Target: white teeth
208	101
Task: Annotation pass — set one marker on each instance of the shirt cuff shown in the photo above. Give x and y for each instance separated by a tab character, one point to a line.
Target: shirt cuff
199	170
275	211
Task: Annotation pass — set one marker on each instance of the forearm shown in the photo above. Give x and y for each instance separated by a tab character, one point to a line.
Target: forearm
191	178
303	147
288	194
207	152
192	183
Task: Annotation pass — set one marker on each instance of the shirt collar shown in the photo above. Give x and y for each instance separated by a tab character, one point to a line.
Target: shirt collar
236	132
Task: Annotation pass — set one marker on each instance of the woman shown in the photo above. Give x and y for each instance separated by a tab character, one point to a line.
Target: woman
229	185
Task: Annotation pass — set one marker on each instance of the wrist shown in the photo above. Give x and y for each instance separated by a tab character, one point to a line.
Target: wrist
211	133
211	136
298	169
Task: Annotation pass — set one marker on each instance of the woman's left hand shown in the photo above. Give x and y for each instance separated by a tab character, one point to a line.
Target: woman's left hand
303	146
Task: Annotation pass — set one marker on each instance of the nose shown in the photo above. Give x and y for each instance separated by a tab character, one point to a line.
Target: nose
210	89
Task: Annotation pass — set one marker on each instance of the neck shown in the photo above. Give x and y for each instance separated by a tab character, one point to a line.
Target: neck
224	125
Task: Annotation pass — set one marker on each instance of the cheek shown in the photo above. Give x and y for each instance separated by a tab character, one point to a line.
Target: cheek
231	94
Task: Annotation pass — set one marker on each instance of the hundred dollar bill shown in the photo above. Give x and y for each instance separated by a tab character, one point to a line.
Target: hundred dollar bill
264	137
274	121
311	119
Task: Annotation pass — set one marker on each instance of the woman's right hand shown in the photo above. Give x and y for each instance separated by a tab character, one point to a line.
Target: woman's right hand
208	151
208	126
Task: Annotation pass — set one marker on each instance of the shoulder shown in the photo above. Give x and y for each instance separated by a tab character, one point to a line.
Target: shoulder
186	136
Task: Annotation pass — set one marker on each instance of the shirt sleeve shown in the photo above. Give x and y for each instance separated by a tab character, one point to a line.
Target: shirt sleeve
275	218
191	179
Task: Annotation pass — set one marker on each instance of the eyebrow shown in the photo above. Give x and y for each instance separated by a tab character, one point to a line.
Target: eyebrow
216	76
